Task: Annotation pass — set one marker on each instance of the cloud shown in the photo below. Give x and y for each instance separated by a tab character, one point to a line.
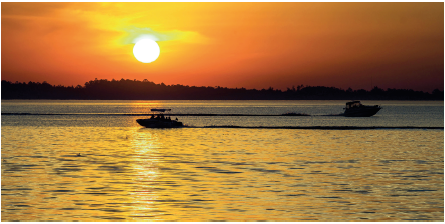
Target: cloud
135	34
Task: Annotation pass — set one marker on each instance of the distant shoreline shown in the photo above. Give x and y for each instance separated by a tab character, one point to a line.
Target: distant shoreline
145	90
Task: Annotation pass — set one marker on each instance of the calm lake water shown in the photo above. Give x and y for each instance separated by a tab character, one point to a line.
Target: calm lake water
207	173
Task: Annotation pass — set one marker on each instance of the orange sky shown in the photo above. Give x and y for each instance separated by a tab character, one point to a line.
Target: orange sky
251	45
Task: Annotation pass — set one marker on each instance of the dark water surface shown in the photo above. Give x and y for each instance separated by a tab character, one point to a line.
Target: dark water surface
128	173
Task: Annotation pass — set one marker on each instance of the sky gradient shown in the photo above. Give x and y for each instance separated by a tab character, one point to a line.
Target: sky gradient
250	45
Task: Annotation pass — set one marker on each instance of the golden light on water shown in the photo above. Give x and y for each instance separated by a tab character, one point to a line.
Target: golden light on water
137	106
195	174
145	165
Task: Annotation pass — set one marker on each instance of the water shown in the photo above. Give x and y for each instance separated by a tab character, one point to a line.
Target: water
119	113
128	173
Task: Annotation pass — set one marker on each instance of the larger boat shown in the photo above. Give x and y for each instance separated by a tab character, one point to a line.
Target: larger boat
160	120
356	109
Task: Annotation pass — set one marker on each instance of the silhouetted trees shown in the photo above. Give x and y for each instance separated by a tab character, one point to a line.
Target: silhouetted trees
126	89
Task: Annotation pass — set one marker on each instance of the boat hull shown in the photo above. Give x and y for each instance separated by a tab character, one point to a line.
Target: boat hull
155	123
364	111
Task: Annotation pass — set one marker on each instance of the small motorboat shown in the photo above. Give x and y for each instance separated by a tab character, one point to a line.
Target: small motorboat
160	120
356	109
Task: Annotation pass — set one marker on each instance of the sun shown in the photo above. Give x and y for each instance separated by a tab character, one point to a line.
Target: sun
146	50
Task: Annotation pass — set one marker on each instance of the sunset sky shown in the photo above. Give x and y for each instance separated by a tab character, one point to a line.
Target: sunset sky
250	45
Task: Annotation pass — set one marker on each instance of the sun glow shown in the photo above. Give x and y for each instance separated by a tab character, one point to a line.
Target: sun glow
146	50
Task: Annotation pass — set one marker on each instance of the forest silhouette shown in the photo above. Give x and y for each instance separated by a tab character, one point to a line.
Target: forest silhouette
126	89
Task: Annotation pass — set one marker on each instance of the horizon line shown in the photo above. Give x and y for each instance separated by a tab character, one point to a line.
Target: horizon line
287	88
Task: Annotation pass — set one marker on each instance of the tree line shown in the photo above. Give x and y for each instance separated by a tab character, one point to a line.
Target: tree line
126	89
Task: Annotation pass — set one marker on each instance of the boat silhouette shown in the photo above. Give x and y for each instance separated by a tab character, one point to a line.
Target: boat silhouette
159	120
356	109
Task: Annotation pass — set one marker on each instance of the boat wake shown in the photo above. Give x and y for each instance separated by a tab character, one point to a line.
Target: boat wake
131	114
317	127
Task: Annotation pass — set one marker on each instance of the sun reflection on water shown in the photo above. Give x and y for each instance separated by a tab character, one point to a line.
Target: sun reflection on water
198	174
145	147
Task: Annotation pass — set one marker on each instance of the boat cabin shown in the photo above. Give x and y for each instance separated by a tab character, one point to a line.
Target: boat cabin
160	115
353	104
